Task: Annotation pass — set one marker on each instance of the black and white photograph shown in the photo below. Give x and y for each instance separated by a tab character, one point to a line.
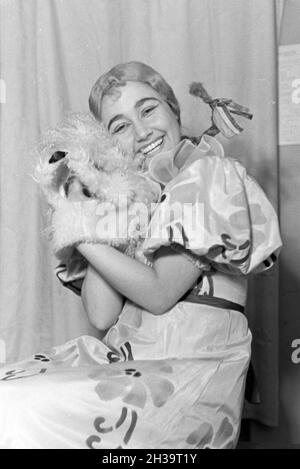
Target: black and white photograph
149	227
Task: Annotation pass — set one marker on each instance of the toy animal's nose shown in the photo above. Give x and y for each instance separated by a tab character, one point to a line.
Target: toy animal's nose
57	156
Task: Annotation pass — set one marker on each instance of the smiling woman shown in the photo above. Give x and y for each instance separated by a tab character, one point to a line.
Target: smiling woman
138	107
170	370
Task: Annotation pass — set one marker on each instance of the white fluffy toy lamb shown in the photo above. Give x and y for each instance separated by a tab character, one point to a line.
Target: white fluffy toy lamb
80	150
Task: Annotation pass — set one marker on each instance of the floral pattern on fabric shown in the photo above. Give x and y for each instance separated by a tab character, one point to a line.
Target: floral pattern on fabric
215	210
125	416
201	437
141	400
133	386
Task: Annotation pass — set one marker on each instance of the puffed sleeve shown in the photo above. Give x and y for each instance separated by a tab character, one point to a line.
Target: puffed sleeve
215	211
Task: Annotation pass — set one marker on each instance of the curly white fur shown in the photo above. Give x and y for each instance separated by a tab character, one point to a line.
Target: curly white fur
94	159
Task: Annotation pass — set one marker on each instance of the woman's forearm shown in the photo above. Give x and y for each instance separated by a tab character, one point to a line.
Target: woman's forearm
122	273
102	302
156	288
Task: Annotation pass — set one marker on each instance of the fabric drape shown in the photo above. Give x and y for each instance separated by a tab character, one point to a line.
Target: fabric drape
51	54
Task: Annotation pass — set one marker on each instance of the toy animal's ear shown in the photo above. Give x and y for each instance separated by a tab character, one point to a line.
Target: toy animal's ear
57	156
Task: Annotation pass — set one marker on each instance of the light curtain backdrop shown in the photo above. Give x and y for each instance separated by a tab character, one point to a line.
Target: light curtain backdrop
52	51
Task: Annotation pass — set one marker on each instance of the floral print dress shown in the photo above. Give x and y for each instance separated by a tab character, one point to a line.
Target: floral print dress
171	381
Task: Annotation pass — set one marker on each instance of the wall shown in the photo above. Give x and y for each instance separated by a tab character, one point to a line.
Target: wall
289	169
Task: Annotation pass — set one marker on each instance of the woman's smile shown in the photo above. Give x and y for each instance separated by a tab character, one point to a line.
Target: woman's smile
153	147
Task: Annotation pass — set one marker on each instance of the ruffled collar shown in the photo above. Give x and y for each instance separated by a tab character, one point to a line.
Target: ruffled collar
166	165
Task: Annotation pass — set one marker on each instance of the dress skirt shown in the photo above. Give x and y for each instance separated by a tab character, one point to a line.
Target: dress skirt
171	381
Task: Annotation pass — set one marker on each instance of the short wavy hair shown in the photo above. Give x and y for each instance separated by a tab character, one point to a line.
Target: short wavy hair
131	71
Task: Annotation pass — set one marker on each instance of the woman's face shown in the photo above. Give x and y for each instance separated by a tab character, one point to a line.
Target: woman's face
139	120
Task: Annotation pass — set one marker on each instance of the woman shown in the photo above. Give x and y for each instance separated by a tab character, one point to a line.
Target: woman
171	369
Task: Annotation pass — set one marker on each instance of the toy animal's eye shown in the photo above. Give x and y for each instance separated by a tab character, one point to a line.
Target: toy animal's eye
57	156
85	191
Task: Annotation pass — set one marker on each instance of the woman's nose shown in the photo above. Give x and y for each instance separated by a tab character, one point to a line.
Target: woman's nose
141	131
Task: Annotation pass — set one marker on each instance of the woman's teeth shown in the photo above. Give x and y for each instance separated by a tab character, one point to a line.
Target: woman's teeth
152	147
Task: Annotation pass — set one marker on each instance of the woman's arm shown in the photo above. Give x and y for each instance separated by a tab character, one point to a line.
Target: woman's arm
102	303
155	288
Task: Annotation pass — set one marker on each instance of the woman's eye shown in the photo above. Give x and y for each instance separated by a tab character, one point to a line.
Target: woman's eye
120	128
148	110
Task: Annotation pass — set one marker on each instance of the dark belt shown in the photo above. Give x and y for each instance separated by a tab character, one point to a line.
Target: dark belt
213	301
